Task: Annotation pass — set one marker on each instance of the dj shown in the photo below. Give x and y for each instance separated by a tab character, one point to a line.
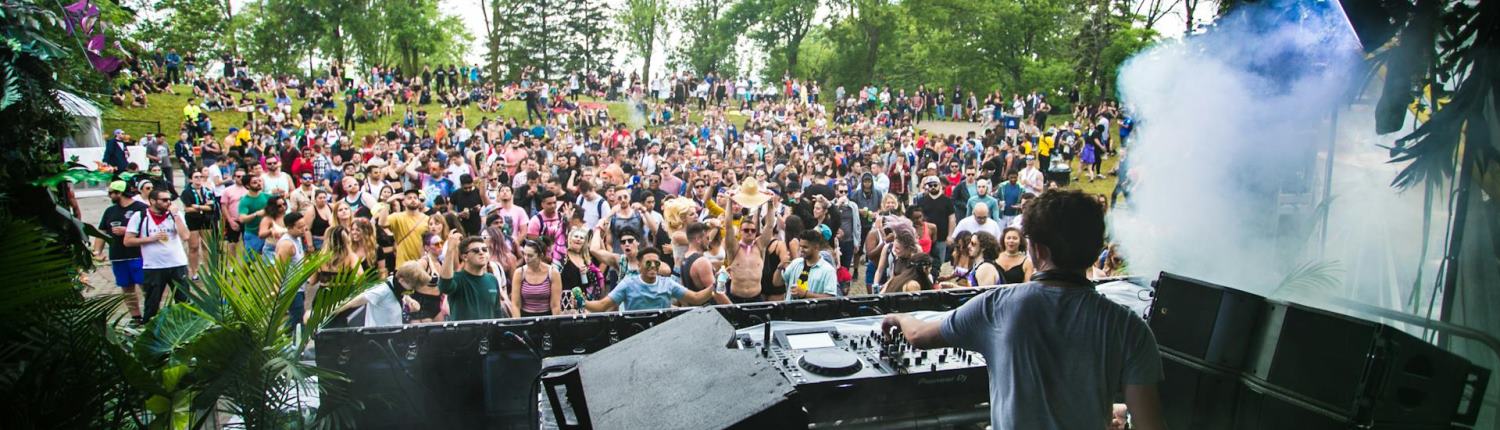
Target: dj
1058	352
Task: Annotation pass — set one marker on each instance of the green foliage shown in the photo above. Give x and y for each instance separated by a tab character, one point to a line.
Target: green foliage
777	26
189	26
549	36
54	362
708	39
642	23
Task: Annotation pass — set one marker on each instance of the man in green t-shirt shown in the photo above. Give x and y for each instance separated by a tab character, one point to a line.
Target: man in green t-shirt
473	292
252	208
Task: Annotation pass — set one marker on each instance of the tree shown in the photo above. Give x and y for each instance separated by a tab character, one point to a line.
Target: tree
641	23
708	38
279	30
189	26
777	25
859	35
1152	11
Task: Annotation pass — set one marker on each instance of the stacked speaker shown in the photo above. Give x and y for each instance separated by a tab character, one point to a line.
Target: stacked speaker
1234	360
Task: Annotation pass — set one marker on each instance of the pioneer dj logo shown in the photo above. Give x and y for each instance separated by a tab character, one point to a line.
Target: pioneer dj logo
955	379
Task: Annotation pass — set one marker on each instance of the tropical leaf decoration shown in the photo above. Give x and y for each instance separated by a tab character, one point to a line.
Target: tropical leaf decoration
1311	278
1443	64
233	335
55	363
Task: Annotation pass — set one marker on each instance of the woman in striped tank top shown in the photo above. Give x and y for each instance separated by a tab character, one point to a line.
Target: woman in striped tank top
536	284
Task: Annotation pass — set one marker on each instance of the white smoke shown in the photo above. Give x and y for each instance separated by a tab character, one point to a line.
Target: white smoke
1233	133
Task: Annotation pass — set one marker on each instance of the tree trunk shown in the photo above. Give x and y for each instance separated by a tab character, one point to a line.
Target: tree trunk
650	50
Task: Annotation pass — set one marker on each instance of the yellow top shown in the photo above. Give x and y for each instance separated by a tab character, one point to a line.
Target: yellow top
408	230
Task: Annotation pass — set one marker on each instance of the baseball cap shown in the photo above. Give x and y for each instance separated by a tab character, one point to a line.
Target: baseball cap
119	131
118	186
930	180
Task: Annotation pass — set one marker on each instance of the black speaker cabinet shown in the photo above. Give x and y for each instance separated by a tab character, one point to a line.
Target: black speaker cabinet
1365	371
1208	322
1194	396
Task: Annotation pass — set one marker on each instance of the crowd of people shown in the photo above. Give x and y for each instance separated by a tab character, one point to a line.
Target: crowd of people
771	195
767	195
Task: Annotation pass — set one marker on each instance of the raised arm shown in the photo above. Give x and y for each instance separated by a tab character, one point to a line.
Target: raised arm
446	270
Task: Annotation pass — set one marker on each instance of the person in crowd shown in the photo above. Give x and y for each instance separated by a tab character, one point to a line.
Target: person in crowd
984	249
647	289
158	232
253	207
1015	267
124	260
936	209
980	221
536	285
1111	351
407	226
472	289
201	209
810	276
580	271
384	304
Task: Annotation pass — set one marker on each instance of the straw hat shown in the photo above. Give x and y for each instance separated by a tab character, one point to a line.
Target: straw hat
750	194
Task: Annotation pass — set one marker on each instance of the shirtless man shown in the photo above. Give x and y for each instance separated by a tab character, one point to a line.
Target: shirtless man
746	257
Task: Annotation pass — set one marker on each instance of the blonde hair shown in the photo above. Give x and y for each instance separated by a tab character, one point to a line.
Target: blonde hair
334	222
413	273
678	212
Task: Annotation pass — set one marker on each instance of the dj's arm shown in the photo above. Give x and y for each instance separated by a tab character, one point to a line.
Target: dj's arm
1144	404
919	333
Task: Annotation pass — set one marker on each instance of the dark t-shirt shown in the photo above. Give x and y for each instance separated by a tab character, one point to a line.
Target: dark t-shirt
117	216
937	210
471	297
463	199
1019	333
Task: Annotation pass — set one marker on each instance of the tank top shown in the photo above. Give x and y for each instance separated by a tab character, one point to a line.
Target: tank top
618	226
1014	275
319	224
537	297
430	305
686	275
768	272
297	244
974	282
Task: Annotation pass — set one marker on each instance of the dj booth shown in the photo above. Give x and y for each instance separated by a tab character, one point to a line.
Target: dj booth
1231	360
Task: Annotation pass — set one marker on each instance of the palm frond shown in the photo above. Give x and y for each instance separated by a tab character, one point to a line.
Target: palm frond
173	328
1310	277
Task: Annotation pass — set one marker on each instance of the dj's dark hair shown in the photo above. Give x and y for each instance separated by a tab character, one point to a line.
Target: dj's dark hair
1069	223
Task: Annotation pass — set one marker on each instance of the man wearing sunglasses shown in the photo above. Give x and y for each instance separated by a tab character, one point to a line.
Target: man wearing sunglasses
474	291
159	232
647	290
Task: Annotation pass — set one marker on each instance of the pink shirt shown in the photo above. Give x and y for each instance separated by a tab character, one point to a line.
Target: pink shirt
230	200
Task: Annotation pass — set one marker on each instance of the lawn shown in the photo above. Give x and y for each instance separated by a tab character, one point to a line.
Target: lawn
165	110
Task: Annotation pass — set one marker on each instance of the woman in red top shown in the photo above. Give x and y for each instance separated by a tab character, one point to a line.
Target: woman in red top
925	230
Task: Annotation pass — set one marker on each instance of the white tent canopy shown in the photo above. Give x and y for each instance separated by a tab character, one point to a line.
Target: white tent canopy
87	116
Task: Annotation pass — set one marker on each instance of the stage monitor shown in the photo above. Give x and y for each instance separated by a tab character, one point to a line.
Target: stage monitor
1204	321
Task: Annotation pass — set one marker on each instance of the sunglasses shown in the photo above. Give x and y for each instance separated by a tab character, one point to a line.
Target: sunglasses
748	230
650	264
480	250
163	200
626	241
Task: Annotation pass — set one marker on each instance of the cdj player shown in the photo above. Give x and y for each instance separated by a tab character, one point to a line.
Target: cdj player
848	373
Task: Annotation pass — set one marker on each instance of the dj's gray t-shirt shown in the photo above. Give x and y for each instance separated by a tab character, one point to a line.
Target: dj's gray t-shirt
1057	355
